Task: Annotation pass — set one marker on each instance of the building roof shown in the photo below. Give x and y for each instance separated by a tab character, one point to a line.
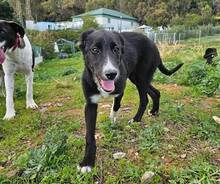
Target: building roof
106	12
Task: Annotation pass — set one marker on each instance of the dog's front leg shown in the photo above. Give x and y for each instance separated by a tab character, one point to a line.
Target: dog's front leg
29	94
90	150
9	86
115	108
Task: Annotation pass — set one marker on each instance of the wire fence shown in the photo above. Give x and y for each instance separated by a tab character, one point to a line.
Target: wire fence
178	37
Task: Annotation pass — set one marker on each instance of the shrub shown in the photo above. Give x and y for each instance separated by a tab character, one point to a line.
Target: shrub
89	22
46	40
204	77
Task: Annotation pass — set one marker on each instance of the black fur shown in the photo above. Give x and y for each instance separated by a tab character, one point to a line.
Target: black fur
210	53
136	57
8	33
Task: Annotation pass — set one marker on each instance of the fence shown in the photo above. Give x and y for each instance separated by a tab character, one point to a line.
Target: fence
172	38
178	37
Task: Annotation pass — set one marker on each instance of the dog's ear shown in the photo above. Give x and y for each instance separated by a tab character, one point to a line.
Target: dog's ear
84	35
19	30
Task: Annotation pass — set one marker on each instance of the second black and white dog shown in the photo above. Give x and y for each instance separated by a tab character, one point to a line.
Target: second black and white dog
111	58
16	55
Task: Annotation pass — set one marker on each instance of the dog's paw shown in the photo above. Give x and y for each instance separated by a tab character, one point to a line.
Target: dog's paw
131	121
84	169
9	115
31	105
152	114
113	116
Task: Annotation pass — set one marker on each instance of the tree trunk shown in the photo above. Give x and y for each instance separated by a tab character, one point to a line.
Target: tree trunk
28	10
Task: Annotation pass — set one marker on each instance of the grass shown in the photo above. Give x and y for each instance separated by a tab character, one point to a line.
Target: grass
181	145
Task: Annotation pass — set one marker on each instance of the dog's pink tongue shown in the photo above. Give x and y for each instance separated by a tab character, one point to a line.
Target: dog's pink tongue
108	85
2	56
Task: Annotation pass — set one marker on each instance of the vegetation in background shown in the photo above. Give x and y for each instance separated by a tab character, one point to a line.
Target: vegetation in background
191	13
38	38
6	11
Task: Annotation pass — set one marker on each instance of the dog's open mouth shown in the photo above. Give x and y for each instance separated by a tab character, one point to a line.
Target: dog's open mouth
2	55
107	85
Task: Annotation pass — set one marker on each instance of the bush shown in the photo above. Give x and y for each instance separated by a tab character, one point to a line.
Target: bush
89	22
204	77
46	40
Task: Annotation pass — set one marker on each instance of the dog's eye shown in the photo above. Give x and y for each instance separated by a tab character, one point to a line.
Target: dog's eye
95	50
115	50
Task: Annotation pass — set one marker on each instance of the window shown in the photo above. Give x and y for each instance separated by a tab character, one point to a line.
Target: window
109	20
132	24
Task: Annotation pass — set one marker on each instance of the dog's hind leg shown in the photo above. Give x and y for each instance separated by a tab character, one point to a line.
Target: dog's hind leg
115	107
29	94
142	88
155	95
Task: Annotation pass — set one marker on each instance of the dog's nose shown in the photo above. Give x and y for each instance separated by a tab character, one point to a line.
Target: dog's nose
111	75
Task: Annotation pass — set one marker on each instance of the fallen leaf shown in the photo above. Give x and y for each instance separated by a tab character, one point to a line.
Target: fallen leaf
147	177
106	106
217	119
167	159
183	156
119	155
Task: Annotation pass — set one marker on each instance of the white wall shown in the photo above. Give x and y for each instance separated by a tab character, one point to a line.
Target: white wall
114	24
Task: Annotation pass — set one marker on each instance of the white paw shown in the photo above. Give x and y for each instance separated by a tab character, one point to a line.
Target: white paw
31	105
9	115
113	115
84	169
130	121
150	114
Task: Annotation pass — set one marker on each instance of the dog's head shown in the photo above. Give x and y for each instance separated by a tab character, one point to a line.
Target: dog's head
10	35
102	52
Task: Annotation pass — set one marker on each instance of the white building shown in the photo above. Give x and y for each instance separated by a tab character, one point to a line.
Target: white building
108	19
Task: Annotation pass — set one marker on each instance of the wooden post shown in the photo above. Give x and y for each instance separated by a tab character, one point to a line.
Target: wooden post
174	38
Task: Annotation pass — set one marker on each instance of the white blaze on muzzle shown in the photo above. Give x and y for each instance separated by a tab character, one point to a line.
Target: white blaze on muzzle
108	66
108	84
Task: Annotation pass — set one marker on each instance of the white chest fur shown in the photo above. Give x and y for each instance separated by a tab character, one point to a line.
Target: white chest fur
95	98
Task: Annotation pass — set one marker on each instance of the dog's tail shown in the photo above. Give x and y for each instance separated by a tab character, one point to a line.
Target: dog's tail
165	71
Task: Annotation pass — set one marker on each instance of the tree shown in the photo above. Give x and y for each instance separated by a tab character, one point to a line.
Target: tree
6	11
28	10
206	13
89	22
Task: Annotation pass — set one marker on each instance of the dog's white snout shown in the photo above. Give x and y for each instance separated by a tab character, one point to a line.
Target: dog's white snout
110	72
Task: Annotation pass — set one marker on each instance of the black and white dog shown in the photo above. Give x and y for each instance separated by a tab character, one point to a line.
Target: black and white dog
111	58
15	56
